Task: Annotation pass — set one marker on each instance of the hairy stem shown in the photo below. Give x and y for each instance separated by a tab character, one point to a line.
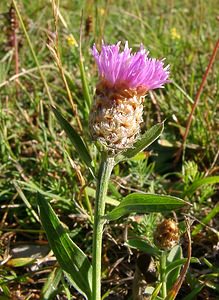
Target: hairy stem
105	170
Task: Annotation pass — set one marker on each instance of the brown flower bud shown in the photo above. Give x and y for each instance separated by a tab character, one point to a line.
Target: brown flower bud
166	235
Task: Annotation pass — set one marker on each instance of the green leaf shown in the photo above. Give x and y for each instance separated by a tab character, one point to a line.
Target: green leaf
179	263
196	290
76	140
92	193
70	257
143	246
206	220
156	291
198	183
144	203
145	140
175	254
50	288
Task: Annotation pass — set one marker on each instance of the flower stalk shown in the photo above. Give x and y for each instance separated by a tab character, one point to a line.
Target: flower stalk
163	261
106	166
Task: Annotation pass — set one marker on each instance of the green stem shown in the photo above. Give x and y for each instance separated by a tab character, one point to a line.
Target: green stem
106	166
163	260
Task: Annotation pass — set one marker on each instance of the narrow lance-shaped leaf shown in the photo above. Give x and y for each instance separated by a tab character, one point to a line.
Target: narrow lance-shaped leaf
179	263
76	140
144	203
200	182
214	211
92	193
50	288
143	245
70	257
145	140
174	254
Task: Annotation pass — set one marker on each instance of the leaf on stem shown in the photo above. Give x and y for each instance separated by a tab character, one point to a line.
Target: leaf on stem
92	193
71	258
75	138
179	263
145	140
174	254
145	203
142	245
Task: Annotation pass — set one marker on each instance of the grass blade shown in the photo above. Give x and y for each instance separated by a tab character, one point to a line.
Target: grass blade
50	288
25	200
198	183
194	292
85	87
206	220
33	52
179	262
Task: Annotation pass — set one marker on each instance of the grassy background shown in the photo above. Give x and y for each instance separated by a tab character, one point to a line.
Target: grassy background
34	151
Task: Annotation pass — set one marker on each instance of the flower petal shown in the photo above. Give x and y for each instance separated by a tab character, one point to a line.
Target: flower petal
130	70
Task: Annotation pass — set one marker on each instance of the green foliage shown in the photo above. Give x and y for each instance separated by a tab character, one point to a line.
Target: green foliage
172	269
144	203
33	150
201	182
145	140
143	246
50	288
70	257
145	227
76	140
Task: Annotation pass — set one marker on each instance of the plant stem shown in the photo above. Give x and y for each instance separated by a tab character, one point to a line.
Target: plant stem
163	260
106	166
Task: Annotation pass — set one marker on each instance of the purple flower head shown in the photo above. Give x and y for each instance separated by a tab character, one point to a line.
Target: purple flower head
130	70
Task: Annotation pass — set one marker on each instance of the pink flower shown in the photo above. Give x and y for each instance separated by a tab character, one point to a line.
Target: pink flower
130	70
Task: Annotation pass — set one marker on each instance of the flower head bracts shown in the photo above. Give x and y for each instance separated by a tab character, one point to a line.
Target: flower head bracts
130	70
125	78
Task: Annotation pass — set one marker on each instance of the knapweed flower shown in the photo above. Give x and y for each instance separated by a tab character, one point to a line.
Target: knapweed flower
124	80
